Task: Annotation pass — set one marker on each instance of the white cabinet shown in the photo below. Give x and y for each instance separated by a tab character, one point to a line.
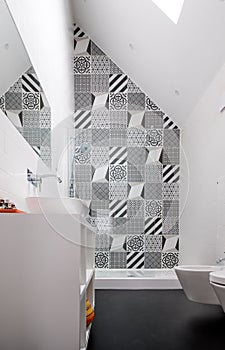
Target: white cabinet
46	273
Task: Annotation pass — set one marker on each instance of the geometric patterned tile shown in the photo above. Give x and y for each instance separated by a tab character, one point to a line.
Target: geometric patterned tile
2	102
172	138
83	190
103	242
170	260
118	137
135	225
170	243
153	260
118	119
136	101
117	83
102	260
150	105
118	173
135	208
82	157
83	101
100	83
170	225
153	208
136	173
170	156
135	137
82	83
100	64
154	138
153	243
153	226
135	243
118	101
118	208
100	191
117	260
136	155
118	226
117	191
153	191
114	69
171	173
100	119
82	64
136	191
31	101
118	243
13	101
171	191
82	136
132	87
135	260
153	120
170	208
153	173
83	173
100	156
100	137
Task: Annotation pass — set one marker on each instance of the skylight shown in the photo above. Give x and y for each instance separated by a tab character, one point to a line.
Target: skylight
171	8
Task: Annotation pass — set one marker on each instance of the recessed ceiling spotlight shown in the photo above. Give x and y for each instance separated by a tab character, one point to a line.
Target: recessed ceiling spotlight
6	46
131	46
177	92
171	8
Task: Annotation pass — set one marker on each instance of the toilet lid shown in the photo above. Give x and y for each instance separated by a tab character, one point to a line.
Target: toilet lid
217	276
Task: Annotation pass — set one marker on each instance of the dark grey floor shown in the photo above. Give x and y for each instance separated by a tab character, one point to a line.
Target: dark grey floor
155	320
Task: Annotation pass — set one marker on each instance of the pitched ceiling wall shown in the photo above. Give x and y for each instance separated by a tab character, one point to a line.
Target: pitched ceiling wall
158	55
13	57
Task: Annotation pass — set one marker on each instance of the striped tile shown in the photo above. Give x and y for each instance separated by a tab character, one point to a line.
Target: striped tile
135	260
82	119
118	208
77	32
168	123
171	173
118	155
153	226
30	83
118	83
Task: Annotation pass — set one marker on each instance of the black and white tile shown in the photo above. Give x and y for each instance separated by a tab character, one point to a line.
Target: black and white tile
26	106
131	171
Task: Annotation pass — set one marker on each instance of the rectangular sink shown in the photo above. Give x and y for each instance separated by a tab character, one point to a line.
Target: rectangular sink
54	205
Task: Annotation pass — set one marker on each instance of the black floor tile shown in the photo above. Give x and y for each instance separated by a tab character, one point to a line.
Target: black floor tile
155	320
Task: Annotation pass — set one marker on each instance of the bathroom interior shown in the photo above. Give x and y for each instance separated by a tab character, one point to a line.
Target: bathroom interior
112	174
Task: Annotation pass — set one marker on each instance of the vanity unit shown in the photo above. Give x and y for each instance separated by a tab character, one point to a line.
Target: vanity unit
47	272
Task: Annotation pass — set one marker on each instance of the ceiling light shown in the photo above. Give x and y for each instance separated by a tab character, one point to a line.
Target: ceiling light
171	8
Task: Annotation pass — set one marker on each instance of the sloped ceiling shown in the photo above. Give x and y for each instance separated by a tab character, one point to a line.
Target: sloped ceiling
173	64
13	57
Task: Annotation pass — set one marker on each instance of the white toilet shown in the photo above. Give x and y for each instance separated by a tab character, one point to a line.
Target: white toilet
217	281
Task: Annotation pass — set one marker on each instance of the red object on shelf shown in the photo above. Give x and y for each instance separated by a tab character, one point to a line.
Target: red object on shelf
17	211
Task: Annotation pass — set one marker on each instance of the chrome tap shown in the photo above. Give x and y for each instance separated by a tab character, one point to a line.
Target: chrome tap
37	179
220	260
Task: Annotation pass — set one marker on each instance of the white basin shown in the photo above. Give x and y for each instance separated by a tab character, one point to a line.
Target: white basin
51	205
217	281
194	280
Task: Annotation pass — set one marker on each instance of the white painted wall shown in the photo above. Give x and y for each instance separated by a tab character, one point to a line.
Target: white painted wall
14	60
204	146
164	56
46	29
16	155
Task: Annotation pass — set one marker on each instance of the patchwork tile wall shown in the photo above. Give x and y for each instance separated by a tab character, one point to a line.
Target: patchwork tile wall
125	162
26	105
